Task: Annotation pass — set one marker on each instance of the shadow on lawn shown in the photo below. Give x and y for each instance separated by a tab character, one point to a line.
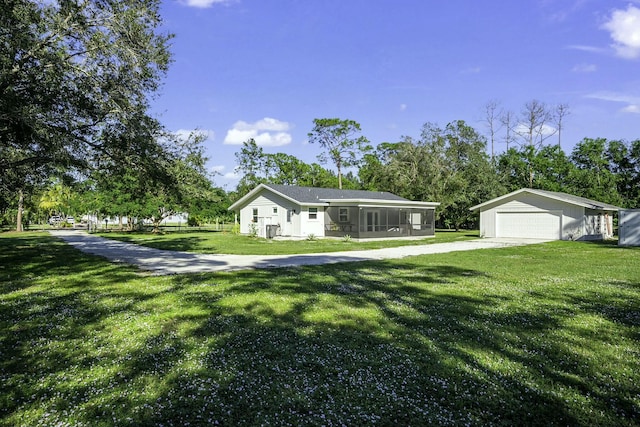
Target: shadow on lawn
386	343
185	244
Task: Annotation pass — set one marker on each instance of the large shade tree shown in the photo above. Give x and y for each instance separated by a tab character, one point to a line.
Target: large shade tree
341	141
70	72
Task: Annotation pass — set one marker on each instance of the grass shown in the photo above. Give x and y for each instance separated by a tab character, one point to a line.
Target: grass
228	243
539	335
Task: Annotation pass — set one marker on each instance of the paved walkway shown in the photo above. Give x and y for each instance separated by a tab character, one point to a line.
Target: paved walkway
163	262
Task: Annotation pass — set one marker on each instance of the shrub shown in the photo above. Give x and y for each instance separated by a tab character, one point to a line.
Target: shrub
235	229
253	230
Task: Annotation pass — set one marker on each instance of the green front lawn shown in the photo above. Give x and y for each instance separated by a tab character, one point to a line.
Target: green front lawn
228	243
539	335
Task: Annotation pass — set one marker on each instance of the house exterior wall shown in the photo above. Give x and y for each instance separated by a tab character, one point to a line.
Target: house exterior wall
572	217
364	220
597	225
265	202
311	226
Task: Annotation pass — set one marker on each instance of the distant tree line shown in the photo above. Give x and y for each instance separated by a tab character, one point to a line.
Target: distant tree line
450	165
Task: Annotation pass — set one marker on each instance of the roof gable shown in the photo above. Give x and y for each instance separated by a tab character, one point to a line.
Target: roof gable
563	197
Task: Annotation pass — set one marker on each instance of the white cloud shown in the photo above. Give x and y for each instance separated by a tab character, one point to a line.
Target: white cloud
266	132
634	108
539	131
217	168
615	97
585	48
231	175
624	29
271	124
202	4
632	101
584	68
471	70
403	107
184	134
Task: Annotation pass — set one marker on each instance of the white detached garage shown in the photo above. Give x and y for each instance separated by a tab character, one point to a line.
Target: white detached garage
539	214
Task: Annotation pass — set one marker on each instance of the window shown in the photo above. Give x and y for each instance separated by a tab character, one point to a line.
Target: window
343	214
288	215
275	210
313	213
255	215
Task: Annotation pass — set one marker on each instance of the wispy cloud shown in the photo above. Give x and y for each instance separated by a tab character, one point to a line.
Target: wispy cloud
231	175
561	11
632	101
471	70
203	4
585	48
184	134
634	109
266	132
614	97
584	68
624	29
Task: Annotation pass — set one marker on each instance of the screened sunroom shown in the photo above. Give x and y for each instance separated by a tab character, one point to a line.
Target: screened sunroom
363	222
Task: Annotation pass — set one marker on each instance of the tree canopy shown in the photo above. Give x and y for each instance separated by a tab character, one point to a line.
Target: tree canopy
340	141
75	78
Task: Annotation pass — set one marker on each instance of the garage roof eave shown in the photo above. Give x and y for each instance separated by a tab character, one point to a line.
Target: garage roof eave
563	197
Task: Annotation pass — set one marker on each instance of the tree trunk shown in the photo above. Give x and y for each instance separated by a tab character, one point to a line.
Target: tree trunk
19	227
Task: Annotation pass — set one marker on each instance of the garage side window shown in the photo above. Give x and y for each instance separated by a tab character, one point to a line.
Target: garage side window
255	215
313	213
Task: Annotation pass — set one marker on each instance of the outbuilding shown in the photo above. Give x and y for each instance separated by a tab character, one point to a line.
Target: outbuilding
285	210
629	227
540	214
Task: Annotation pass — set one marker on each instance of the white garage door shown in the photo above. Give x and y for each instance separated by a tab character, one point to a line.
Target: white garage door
528	225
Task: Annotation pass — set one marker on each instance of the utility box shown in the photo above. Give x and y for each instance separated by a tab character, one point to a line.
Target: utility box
272	231
629	227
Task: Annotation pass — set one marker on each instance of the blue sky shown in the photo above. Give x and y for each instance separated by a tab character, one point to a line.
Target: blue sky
266	68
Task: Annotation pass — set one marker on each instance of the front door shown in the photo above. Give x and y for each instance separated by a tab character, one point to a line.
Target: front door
287	224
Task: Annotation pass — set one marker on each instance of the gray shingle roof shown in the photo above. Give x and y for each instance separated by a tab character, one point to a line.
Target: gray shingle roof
579	200
316	195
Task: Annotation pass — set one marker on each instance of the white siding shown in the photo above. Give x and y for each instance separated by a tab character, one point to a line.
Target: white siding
629	227
571	216
300	225
488	223
265	201
312	226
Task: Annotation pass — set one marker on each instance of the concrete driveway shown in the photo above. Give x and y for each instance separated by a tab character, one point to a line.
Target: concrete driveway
163	262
